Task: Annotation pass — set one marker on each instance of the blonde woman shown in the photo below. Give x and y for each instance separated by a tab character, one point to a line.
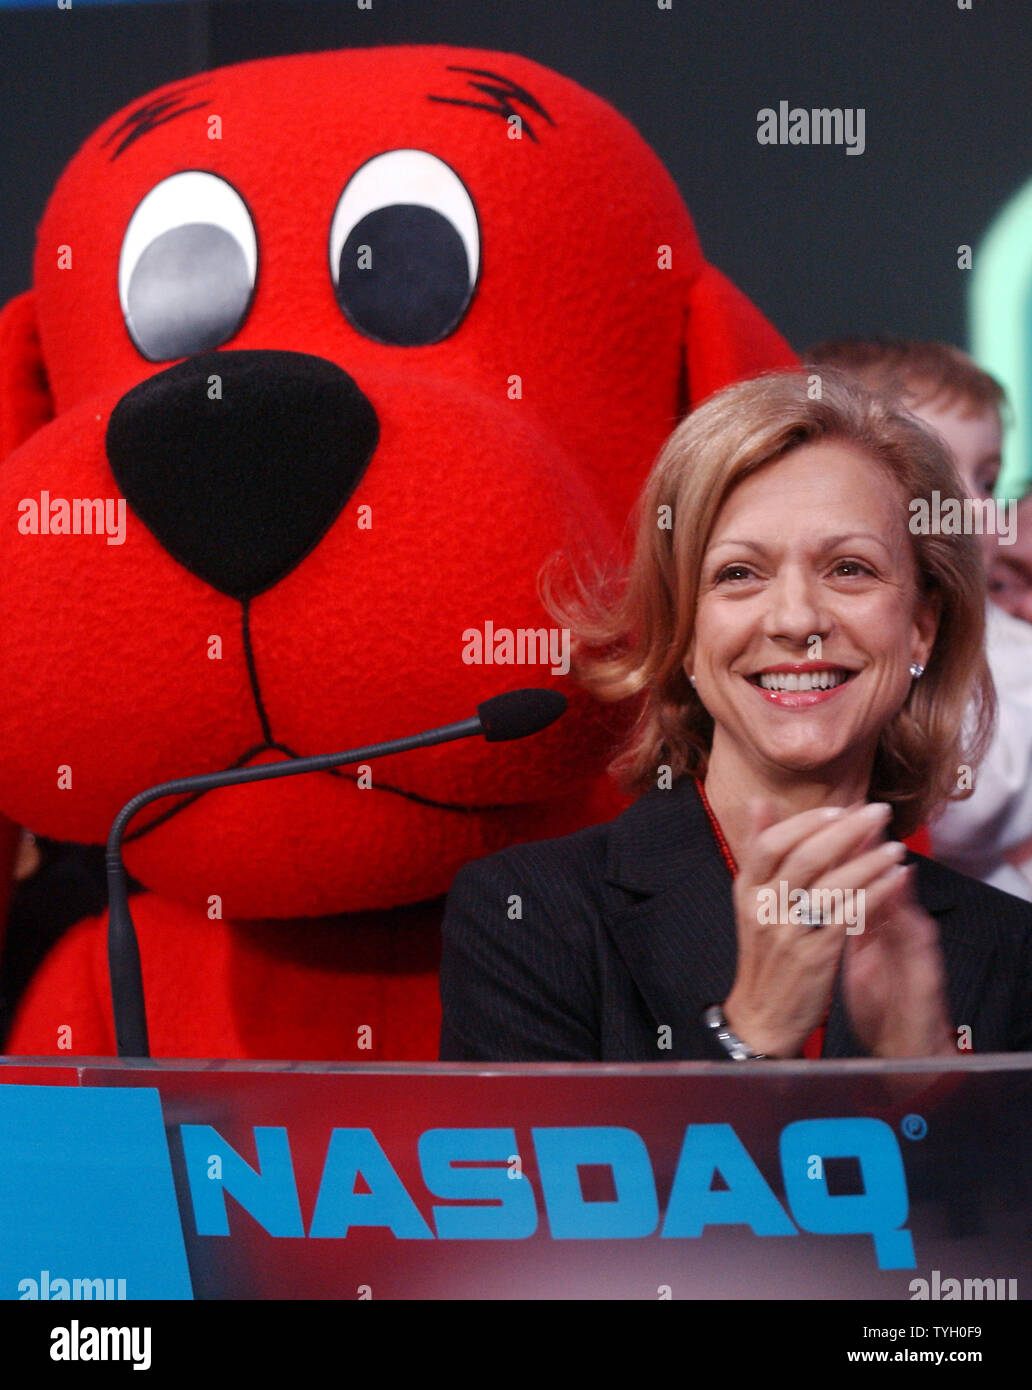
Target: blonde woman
802	660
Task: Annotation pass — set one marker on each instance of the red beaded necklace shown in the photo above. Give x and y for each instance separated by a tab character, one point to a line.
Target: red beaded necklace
725	848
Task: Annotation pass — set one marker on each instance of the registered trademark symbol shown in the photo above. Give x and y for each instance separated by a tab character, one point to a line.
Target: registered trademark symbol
913	1126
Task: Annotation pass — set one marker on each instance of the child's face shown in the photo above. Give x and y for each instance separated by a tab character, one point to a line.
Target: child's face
975	439
1010	574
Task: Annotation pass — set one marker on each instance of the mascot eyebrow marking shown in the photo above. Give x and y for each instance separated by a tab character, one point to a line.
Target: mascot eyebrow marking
502	106
152	114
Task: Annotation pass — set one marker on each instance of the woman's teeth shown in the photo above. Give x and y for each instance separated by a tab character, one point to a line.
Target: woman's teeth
808	680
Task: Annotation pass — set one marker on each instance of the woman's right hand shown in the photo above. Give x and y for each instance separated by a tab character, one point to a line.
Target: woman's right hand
786	970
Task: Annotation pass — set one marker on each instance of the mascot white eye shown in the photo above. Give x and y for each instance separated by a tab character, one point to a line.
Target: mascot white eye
405	249
187	270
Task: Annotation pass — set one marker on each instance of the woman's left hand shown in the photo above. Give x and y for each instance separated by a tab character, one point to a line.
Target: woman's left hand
894	983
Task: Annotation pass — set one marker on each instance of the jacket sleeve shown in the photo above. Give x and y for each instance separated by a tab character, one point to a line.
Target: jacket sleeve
516	983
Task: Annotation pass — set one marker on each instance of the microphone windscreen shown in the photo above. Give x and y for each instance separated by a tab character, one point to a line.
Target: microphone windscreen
517	713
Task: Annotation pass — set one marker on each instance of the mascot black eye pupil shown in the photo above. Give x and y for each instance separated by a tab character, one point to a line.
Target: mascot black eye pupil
189	292
404	276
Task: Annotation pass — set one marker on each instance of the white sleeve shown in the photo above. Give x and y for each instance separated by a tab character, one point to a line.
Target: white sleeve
974	835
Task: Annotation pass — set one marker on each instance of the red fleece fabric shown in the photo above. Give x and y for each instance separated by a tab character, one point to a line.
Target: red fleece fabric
361	991
593	321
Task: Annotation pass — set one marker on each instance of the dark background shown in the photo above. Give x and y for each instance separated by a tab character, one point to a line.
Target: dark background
823	241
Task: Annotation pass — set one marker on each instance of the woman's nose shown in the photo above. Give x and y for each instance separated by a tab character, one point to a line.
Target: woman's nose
794	609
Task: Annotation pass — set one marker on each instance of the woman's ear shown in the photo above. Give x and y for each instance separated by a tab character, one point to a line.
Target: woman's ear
25	401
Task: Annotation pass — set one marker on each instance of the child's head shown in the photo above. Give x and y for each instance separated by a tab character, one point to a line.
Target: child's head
941	386
1010	571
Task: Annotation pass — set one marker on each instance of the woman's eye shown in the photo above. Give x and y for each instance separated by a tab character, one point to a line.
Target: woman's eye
853	566
733	572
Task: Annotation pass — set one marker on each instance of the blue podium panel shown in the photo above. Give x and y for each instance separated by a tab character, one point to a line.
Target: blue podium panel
87	1204
905	1181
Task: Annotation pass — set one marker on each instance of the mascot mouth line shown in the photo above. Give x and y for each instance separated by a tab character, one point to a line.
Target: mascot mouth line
271	744
460	808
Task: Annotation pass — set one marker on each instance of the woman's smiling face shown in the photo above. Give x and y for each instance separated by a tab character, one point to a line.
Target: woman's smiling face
809	613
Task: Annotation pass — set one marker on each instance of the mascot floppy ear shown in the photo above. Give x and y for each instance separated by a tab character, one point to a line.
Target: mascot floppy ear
726	338
25	402
25	405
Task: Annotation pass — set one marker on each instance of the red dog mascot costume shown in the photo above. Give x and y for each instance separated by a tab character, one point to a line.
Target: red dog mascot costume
325	356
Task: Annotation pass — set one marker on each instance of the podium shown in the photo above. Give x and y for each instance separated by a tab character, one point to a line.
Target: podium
154	1179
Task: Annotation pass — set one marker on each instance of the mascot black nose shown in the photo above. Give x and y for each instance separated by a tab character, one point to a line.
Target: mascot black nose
240	462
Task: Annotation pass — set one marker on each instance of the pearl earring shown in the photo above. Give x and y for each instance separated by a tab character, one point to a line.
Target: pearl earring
691	681
916	671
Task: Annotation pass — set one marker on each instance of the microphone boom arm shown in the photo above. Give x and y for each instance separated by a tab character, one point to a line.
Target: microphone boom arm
123	949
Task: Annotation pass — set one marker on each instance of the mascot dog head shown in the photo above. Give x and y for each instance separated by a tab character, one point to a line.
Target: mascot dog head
325	355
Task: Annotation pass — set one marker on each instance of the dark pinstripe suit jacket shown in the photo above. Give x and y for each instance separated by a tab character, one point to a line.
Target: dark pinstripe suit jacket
629	926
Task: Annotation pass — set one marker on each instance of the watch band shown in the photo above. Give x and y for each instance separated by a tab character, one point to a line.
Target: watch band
713	1019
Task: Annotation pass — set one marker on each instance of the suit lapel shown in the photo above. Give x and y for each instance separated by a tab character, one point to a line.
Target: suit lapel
678	940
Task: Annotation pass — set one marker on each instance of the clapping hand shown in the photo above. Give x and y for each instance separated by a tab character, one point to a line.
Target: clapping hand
893	976
894	983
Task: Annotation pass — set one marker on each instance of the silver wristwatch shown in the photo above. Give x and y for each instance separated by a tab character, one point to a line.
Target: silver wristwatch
713	1018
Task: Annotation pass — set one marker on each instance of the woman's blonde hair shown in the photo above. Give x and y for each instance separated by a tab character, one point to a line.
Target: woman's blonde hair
630	639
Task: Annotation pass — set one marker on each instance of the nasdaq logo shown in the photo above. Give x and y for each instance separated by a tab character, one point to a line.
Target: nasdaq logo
472	1170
